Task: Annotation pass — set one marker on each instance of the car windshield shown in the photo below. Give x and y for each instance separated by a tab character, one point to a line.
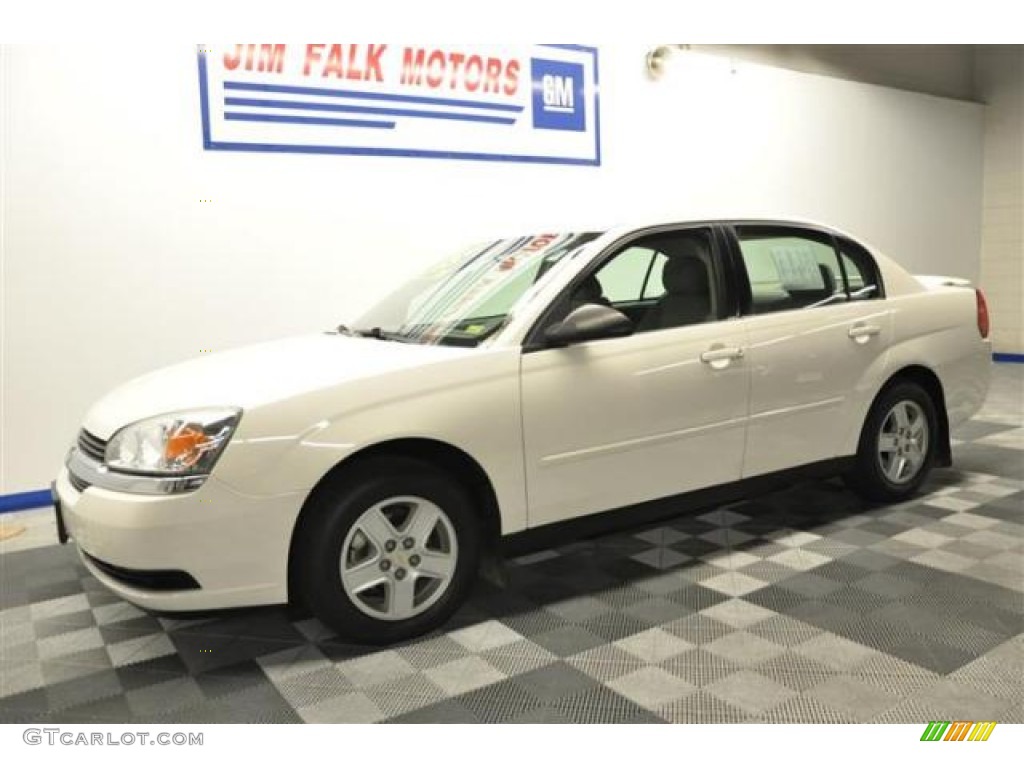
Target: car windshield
466	299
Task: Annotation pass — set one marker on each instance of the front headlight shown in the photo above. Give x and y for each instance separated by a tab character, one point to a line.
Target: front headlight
186	443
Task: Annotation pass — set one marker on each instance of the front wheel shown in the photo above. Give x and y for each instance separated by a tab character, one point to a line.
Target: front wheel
389	552
897	445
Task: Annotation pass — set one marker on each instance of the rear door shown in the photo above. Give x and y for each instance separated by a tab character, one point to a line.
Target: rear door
814	324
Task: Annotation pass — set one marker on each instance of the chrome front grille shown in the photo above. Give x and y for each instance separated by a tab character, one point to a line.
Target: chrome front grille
92	446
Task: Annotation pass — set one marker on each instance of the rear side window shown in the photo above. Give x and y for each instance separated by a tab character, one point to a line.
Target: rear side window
790	268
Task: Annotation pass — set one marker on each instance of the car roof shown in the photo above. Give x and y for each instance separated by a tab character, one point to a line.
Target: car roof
634	226
608	236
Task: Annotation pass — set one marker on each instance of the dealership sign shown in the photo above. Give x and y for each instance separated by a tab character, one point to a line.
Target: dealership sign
529	104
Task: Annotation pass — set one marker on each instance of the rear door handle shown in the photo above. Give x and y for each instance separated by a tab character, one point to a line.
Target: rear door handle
721	355
862	332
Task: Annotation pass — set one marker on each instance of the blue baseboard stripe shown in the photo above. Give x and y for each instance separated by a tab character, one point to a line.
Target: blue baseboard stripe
16	502
1008	357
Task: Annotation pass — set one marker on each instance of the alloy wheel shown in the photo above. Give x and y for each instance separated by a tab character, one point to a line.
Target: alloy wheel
399	558
903	442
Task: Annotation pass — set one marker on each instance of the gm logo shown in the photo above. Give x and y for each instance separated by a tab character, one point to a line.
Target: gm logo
558	102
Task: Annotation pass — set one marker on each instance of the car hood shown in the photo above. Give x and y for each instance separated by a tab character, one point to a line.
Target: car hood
252	376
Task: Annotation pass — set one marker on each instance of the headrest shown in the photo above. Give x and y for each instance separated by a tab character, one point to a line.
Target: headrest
686	275
686	245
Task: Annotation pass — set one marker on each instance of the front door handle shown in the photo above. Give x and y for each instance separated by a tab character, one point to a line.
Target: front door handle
719	357
862	332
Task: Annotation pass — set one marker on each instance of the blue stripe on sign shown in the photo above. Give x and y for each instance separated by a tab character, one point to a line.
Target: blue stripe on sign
306	149
321	107
232	85
1008	357
15	502
250	118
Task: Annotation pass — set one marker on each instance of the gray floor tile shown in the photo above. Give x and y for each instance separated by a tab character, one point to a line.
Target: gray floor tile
568	640
651	687
353	707
556	681
750	691
853	697
464	675
962	702
448	711
702	707
407	694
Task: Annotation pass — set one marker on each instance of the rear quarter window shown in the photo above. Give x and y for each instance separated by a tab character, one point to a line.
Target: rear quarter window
862	276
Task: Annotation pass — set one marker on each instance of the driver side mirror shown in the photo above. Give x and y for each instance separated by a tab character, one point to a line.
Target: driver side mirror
588	323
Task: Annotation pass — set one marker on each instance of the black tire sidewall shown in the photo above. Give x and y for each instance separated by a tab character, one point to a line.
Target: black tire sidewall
335	511
869	477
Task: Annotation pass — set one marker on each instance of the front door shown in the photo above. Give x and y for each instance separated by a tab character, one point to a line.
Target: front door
615	422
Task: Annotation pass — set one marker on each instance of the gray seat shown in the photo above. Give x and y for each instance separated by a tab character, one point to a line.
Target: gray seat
687	298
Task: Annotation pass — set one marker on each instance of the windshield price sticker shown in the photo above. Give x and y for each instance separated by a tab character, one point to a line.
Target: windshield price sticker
511	103
490	272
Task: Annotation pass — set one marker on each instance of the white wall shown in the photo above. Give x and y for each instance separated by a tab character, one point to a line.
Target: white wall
112	265
941	70
1001	85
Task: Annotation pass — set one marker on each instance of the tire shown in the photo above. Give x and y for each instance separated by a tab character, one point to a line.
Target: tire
387	551
902	426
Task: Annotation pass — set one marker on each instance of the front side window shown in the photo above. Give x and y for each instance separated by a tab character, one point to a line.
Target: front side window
659	281
622	279
655	287
466	299
790	268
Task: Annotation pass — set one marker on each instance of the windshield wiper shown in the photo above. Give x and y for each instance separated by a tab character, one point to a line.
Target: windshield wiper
378	333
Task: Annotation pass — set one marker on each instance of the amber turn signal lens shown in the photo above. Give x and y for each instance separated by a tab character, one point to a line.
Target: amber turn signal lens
185	446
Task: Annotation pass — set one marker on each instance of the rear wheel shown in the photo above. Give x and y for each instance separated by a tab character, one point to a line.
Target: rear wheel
388	552
897	445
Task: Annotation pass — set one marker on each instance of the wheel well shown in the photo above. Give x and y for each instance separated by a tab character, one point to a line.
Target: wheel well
929	382
446	457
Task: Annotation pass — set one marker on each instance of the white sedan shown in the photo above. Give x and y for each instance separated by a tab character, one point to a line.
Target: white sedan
578	379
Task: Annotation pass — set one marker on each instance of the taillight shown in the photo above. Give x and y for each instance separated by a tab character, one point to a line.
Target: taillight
982	313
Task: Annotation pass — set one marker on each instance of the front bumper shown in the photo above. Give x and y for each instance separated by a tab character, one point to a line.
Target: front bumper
235	547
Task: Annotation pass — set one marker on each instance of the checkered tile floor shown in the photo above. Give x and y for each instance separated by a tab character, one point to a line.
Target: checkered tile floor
802	606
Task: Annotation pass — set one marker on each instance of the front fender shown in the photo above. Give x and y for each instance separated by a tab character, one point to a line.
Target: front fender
472	407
